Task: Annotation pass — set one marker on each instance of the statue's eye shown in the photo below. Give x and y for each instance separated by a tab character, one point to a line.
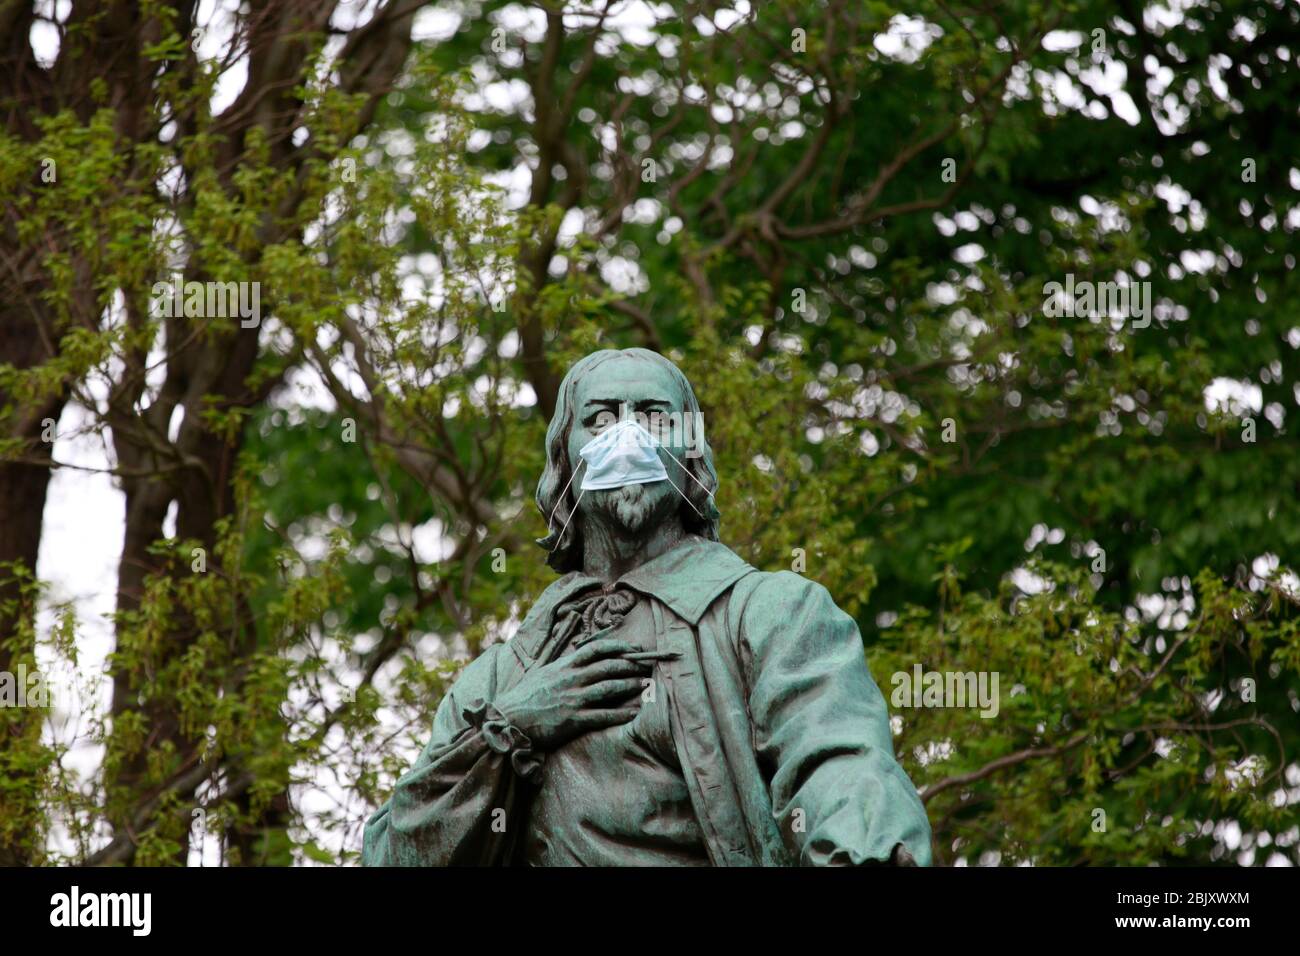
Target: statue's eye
657	423
600	421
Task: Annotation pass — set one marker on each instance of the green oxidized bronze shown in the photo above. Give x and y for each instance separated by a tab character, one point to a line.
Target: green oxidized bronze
663	703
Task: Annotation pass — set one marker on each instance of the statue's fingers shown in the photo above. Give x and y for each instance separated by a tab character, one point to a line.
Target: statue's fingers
605	647
613	667
612	690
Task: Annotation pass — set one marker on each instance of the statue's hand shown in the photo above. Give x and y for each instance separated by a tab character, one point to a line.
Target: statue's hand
577	693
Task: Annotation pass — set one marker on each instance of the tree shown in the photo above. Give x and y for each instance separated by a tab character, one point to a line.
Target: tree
843	221
113	142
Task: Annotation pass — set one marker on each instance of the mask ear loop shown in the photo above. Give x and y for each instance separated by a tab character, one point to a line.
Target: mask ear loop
683	494
568	519
551	520
688	474
573	474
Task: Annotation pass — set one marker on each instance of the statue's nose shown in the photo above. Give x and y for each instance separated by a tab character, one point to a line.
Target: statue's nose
632	441
627	452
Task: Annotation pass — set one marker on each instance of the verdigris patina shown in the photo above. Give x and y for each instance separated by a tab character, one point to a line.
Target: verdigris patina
663	703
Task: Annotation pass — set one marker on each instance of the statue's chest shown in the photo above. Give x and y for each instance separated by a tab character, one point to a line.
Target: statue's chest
650	733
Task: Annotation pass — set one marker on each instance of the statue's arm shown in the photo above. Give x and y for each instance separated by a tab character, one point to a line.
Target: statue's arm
456	805
821	730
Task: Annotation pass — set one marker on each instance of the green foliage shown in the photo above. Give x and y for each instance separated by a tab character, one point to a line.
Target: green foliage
1093	696
985	486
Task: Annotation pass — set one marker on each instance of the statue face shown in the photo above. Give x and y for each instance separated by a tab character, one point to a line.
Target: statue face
626	386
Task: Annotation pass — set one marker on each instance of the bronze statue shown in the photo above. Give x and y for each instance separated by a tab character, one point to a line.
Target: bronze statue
663	703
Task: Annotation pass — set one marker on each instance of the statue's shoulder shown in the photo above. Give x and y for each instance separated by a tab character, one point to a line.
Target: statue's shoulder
777	582
777	595
716	570
702	551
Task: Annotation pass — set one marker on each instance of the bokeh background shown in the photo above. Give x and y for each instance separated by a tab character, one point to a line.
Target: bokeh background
248	560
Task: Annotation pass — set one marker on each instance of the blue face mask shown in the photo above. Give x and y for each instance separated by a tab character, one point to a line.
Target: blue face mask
623	454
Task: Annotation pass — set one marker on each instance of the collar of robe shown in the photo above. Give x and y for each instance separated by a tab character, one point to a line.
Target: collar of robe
688	579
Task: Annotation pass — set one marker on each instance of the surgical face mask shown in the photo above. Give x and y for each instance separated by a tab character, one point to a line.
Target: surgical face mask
623	454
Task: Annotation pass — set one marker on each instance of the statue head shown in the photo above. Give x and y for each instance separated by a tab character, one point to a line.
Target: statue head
597	393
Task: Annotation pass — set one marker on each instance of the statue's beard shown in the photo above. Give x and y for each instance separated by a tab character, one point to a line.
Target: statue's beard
632	507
